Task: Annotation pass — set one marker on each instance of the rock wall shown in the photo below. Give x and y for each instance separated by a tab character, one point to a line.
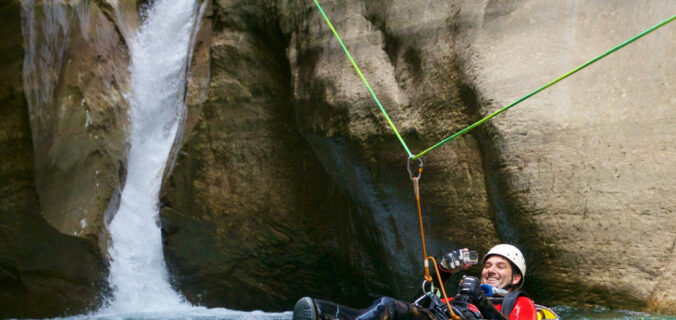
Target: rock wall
583	167
282	157
576	176
76	73
43	272
248	209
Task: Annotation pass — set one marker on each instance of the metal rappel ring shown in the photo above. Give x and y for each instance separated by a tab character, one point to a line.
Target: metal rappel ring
410	171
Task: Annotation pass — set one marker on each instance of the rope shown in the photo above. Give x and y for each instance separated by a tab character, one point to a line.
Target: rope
443	291
428	277
373	94
459	133
415	179
472	126
422	233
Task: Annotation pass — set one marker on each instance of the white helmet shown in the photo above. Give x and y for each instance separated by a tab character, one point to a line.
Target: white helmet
512	254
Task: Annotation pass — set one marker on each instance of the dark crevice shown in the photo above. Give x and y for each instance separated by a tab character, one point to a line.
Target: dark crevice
391	44
335	260
414	61
394	46
508	217
109	12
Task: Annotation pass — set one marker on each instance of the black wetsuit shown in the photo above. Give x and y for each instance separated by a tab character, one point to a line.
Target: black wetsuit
431	308
384	308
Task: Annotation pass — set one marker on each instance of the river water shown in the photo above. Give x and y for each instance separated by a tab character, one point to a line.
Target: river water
201	313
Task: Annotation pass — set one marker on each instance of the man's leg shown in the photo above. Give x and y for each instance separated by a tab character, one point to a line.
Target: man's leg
305	309
314	309
384	308
387	308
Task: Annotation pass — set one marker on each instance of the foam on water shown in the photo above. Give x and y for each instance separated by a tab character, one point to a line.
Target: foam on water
194	313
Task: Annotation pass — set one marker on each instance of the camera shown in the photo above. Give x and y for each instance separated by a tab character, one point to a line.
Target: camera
457	258
470	257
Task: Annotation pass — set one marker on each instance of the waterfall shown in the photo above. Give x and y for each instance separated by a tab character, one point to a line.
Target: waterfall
159	59
160	51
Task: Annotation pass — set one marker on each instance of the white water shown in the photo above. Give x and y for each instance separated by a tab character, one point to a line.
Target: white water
159	54
138	274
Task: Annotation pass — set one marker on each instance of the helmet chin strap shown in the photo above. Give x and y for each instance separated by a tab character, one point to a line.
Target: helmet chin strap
511	285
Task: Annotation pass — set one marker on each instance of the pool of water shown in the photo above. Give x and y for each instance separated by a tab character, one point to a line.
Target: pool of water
201	313
193	313
605	314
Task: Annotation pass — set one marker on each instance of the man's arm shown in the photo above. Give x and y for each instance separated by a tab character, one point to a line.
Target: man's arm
471	288
450	264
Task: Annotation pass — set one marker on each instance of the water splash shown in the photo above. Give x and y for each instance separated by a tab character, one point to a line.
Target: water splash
159	55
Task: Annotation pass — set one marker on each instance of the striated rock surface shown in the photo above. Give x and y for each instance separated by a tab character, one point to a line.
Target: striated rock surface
251	219
43	273
76	74
585	167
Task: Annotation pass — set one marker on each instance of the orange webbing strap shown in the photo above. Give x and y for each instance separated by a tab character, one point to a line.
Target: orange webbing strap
428	278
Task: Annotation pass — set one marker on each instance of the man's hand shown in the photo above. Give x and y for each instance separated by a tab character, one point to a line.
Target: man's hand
471	287
453	262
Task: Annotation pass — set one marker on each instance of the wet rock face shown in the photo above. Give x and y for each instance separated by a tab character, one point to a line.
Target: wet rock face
43	273
251	219
76	73
418	80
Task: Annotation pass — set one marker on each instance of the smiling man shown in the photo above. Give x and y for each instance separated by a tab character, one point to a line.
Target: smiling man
504	269
503	273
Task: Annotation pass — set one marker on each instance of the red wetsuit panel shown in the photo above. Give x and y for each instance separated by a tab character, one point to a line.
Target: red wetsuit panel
524	309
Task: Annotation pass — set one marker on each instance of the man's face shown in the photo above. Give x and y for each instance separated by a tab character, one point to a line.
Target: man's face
497	272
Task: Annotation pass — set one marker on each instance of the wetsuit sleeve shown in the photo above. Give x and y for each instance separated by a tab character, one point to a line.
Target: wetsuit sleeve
524	309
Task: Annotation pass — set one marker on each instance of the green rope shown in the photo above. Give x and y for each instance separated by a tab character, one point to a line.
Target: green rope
472	126
349	56
545	86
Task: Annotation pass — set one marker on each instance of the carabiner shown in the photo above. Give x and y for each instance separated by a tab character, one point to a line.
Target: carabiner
410	171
